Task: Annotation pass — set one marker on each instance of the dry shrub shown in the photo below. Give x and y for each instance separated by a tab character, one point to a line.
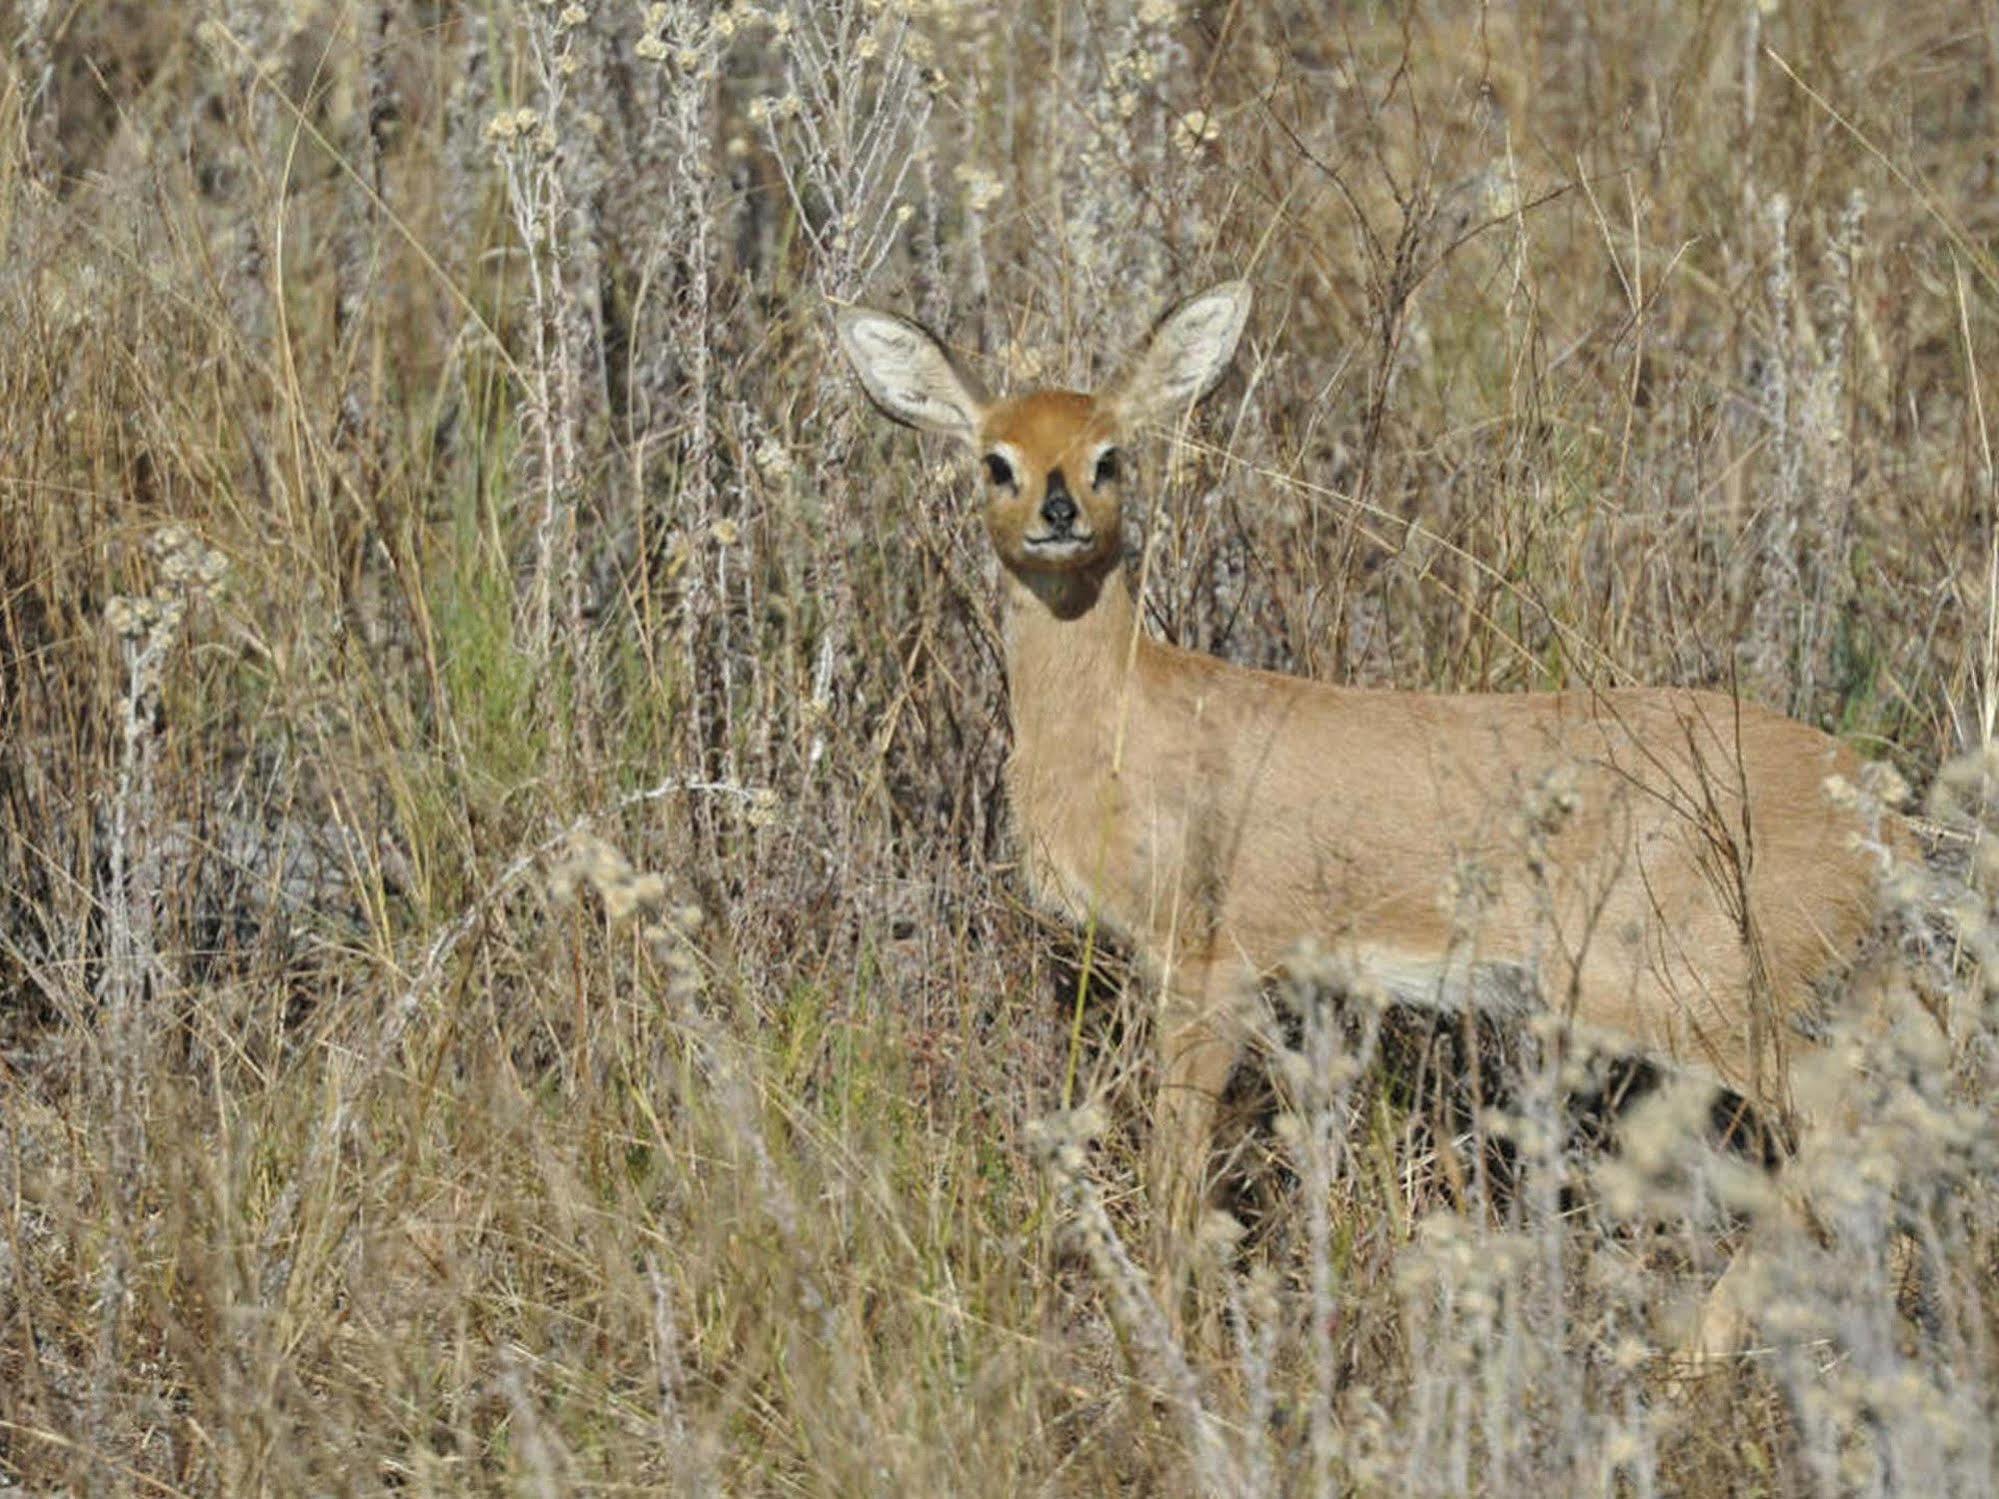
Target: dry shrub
510	969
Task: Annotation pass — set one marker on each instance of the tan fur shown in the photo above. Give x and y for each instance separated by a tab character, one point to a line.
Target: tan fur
1663	866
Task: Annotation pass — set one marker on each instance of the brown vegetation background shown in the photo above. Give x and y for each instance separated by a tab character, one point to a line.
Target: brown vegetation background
511	973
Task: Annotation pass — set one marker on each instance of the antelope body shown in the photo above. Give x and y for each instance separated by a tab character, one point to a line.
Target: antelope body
1664	867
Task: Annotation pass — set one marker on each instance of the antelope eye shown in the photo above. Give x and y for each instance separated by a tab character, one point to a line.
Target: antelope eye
999	471
1107	468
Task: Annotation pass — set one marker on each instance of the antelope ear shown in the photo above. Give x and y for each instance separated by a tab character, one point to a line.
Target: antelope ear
909	374
1184	355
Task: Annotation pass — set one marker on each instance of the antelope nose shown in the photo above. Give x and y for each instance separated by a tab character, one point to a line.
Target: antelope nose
1058	510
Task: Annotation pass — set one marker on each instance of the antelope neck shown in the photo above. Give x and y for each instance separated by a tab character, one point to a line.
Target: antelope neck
1068	636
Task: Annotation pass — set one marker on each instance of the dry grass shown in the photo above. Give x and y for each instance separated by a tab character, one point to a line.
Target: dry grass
510	970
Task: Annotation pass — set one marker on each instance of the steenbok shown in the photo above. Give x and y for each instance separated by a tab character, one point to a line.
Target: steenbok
1662	868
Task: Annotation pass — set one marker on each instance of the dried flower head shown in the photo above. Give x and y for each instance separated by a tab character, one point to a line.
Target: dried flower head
772	458
599	864
130	618
983	188
515	127
186	563
1194	131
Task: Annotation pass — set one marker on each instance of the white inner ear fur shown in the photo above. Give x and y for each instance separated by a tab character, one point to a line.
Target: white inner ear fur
1186	353
908	374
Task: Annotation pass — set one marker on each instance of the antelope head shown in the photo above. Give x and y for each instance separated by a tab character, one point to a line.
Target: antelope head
1052	459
